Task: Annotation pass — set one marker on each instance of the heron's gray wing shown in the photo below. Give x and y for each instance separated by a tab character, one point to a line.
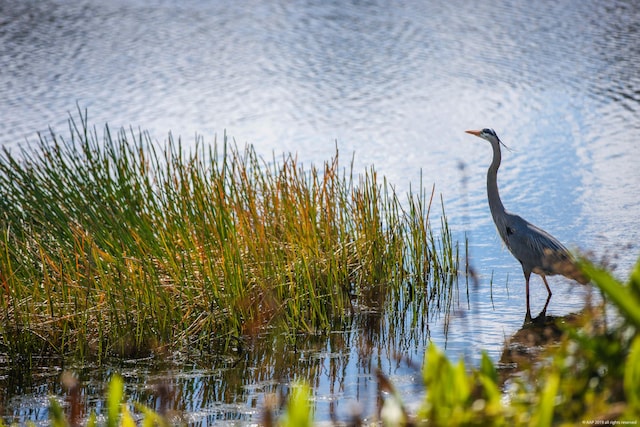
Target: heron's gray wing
537	250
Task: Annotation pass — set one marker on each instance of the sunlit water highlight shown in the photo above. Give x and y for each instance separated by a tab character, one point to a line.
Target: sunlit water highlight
397	86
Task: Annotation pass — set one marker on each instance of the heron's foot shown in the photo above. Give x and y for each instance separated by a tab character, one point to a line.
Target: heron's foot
527	317
540	319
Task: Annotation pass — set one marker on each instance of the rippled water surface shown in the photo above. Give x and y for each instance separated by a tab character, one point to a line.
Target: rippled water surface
398	86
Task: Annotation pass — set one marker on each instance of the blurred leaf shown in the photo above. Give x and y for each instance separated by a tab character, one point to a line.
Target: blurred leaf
487	369
114	398
544	415
634	280
299	412
56	415
632	378
493	396
151	418
462	385
622	296
127	419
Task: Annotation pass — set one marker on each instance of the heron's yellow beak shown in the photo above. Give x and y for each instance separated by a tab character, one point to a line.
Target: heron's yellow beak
474	132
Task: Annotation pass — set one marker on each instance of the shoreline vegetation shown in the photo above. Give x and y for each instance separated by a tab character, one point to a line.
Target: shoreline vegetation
111	245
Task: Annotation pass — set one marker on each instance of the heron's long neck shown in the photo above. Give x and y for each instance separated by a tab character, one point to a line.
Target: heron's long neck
495	204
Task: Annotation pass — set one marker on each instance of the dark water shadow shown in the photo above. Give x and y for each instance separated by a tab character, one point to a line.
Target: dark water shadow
528	344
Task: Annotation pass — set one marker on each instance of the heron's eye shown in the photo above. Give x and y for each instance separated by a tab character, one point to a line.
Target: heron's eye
489	131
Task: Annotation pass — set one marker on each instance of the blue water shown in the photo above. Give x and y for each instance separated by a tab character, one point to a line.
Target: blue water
560	84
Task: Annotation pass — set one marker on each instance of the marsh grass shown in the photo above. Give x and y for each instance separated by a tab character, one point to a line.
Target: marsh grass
110	245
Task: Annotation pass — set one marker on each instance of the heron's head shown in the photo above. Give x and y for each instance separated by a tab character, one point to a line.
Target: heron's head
488	134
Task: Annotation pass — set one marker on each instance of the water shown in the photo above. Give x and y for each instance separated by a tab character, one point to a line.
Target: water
398	86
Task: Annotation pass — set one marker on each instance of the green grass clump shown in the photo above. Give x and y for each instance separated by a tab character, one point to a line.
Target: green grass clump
110	245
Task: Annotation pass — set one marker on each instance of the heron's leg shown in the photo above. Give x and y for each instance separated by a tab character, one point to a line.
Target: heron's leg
527	275
544	279
543	313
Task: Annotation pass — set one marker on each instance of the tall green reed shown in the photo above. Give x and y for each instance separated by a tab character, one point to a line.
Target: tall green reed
110	244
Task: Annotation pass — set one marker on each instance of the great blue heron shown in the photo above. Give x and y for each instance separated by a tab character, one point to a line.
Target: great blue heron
538	251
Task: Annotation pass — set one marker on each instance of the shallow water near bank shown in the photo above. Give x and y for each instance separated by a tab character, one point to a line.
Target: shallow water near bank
231	386
397	86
